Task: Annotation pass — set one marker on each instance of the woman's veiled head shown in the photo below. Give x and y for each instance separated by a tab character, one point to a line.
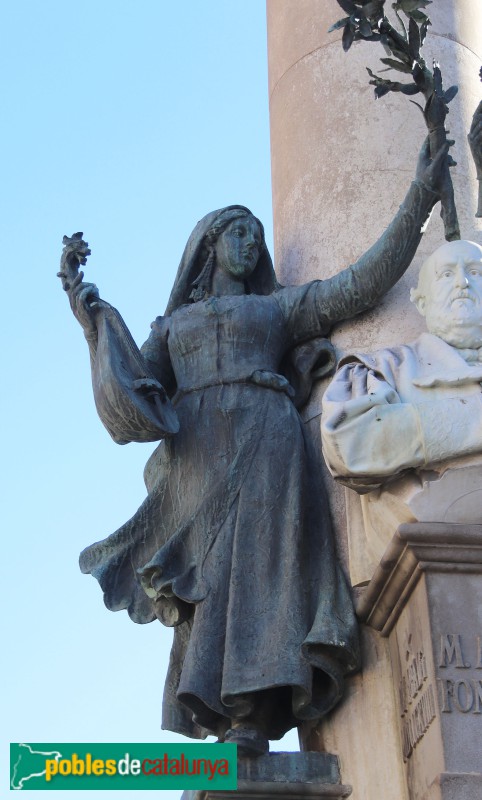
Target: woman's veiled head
213	240
233	244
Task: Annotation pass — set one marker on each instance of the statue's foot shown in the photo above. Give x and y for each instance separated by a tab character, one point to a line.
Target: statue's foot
250	741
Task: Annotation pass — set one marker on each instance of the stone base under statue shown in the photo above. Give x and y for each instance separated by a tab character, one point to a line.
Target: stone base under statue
292	776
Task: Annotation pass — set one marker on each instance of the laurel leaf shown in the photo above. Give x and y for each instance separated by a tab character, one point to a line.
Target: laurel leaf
398	65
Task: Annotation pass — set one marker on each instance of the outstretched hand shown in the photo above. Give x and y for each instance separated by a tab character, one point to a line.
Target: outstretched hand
430	171
475	139
82	297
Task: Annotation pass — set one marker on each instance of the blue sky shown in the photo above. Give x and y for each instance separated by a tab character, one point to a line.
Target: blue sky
128	122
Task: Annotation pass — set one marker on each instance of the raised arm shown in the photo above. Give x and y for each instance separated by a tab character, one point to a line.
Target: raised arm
83	297
312	310
363	284
131	402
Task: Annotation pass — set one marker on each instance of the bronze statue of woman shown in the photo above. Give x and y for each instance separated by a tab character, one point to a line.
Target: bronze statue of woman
233	545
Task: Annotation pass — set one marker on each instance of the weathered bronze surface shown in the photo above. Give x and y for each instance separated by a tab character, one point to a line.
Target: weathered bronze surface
233	545
475	137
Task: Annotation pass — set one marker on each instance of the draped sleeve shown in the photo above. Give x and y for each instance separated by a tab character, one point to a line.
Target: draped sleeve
372	432
368	433
131	402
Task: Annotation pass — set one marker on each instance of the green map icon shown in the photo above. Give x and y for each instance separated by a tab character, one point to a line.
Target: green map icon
27	765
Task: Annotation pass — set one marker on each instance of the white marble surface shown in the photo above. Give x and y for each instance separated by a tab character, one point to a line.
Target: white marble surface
403	426
415	406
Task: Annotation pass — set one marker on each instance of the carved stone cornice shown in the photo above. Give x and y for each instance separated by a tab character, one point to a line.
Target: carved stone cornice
417	548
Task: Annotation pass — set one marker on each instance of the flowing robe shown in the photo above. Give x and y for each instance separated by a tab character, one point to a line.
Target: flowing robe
233	544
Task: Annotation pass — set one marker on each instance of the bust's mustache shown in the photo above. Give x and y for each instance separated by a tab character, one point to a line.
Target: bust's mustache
464	294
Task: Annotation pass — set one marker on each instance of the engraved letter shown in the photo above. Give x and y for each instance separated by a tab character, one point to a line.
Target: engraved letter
478	696
479	653
447	687
450	646
423	667
403	696
412	679
467	694
407	747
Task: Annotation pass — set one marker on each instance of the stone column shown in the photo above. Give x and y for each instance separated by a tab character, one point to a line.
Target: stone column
341	164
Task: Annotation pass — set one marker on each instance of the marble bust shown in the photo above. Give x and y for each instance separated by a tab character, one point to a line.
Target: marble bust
406	418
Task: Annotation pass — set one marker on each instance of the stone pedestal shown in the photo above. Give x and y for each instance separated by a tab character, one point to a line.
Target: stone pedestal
426	599
292	776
